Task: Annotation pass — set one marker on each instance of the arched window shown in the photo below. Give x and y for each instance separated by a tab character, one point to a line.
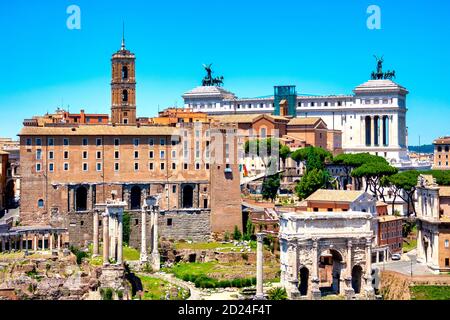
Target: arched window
135	198
81	199
124	96
124	72
188	197
40	203
304	278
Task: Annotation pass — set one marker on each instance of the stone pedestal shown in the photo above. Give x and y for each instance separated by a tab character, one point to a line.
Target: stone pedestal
259	267
349	293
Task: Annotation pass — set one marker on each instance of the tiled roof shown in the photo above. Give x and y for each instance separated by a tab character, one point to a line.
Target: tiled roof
98	130
335	195
304	121
245	118
442	140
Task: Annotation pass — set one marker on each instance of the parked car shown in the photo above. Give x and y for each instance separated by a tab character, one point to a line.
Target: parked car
396	257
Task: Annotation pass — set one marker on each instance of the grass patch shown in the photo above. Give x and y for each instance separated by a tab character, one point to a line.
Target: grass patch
408	246
157	289
220	275
430	293
129	254
222	247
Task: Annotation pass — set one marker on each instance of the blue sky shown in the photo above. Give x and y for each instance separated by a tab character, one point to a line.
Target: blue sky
323	47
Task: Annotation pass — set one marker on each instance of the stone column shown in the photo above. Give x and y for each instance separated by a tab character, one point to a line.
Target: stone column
144	256
3	244
112	237
95	251
435	259
43	242
105	238
369	288
15	243
315	291
20	242
259	267
294	279
59	242
26	243
382	135
120	238
35	242
349	292
51	241
156	264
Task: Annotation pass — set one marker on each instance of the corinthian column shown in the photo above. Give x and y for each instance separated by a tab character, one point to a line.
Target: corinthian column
105	238
96	251
315	291
144	256
156	264
369	289
120	238
259	267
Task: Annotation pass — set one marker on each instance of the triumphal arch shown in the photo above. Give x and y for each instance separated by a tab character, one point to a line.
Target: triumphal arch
326	253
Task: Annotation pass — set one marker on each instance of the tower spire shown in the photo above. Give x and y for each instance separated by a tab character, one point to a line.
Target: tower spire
123	35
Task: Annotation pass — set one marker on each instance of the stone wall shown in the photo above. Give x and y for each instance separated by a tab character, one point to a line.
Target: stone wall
192	225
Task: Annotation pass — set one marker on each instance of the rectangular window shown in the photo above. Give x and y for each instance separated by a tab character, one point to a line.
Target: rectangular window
38	142
446	244
99	154
174	189
174	166
162	154
38	167
136	166
66	154
169	222
85	167
162	142
197	166
116	155
116	166
98	142
99	166
151	142
51	167
38	154
185	166
197	149
174	142
28	142
207	166
85	154
163	166
151	154
85	142
151	166
174	154
136	154
51	142
51	155
66	142
116	142
205	203
66	166
136	142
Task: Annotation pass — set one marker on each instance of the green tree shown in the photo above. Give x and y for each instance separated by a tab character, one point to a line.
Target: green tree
249	230
403	185
237	235
302	154
270	187
126	228
373	173
311	182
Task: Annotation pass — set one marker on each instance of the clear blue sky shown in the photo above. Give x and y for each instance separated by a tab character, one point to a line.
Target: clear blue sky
323	47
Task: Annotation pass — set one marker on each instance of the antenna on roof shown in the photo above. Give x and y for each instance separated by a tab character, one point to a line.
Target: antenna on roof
123	35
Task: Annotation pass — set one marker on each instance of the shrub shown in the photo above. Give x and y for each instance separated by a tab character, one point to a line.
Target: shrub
227	236
106	293
237	235
277	294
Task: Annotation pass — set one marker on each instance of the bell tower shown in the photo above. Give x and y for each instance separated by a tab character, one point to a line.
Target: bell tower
123	87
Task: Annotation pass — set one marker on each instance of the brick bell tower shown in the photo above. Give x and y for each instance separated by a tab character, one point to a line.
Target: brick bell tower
123	87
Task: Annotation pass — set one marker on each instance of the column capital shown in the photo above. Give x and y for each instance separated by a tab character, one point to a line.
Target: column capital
349	244
260	237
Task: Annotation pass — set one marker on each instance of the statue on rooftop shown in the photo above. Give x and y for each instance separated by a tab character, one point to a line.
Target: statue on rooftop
379	74
208	80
